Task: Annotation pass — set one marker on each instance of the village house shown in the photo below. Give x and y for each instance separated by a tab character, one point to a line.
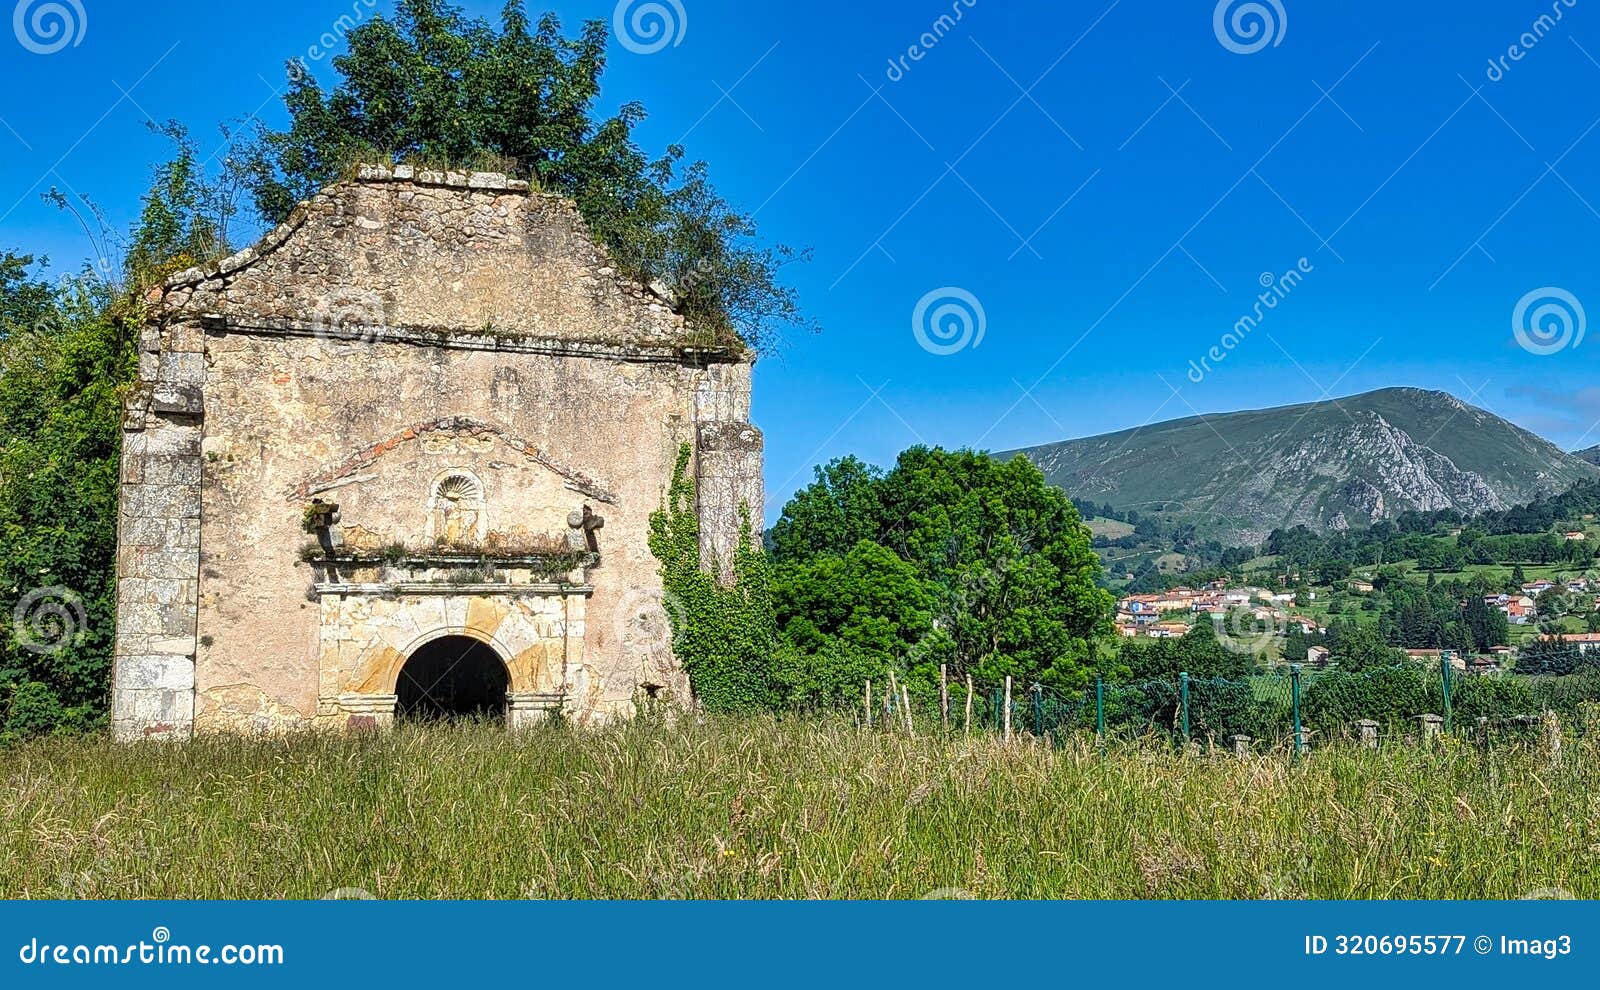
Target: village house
1149	614
1169	630
1519	609
1457	661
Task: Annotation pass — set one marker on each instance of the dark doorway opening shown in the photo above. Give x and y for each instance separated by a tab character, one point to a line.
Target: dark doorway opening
453	677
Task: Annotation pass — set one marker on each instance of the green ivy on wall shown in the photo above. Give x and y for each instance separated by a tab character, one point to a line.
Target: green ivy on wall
723	633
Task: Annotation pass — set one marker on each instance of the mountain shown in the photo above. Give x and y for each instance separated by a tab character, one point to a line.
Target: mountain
1592	455
1330	465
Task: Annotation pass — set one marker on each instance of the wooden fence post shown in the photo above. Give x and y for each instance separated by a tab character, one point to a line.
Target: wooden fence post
869	702
966	723
1008	708
944	698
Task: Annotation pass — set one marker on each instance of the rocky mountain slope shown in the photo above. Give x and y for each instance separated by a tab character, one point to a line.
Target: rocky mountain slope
1329	465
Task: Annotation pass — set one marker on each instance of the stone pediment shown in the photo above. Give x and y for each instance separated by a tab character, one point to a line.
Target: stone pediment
354	467
412	255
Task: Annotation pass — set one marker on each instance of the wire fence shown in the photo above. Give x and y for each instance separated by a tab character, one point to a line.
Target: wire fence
1287	706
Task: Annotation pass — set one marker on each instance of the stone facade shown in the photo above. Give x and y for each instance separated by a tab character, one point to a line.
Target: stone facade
427	405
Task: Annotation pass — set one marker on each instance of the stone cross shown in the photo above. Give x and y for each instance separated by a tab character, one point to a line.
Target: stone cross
584	525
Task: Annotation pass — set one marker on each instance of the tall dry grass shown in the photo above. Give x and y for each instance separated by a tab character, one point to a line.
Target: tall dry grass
773	808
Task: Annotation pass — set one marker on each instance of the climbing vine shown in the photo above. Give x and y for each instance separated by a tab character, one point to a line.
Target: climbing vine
723	633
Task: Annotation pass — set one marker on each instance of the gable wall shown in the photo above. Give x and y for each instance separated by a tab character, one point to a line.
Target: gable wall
385	307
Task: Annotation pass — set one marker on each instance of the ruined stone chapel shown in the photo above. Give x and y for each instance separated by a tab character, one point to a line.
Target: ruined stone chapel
398	460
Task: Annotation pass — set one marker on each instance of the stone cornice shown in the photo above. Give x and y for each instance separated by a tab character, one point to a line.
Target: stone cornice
443	337
448	589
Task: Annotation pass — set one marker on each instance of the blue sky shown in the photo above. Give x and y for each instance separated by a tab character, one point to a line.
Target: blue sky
1109	181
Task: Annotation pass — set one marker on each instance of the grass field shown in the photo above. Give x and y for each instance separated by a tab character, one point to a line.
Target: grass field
1109	528
765	808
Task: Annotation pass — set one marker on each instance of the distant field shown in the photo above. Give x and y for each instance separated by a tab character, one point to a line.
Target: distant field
762	808
1109	528
1495	573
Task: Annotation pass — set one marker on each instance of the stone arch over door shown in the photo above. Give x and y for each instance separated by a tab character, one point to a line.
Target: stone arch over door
459	631
369	634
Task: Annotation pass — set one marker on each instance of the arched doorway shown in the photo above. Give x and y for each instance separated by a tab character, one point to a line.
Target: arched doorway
452	677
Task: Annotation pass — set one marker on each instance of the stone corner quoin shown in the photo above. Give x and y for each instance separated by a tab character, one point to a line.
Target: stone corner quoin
425	417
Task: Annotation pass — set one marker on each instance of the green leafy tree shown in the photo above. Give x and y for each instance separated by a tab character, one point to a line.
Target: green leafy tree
25	301
1006	555
1488	626
1358	647
1554	603
842	507
61	376
1392	695
434	87
870	598
829	677
1553	655
1198	652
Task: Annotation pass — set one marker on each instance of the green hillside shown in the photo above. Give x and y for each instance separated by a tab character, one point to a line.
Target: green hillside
1329	465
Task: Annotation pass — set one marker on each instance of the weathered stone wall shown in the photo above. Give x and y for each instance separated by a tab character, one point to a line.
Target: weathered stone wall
158	550
727	466
395	332
451	252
